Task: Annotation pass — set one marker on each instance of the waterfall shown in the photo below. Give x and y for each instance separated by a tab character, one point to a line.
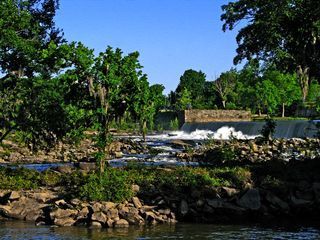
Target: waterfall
284	129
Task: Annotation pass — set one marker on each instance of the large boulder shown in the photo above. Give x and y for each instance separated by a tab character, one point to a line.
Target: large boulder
250	200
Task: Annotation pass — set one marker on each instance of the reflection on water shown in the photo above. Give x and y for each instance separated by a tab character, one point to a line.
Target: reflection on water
21	230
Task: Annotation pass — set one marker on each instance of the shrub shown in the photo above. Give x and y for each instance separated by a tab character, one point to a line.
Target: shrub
19	178
268	129
111	185
218	155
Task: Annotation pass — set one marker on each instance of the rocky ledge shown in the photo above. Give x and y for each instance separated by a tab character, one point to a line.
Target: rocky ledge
45	207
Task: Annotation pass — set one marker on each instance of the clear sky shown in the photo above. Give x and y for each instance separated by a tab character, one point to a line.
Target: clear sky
171	35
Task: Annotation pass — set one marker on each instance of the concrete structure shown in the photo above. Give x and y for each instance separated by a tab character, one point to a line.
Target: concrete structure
204	116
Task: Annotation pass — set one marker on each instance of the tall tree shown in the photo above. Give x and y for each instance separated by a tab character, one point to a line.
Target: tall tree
285	32
225	84
194	82
287	87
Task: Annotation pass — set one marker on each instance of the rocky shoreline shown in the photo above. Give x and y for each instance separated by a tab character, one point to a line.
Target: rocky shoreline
258	201
280	181
45	207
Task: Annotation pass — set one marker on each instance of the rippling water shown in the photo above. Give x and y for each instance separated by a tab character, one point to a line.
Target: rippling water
21	230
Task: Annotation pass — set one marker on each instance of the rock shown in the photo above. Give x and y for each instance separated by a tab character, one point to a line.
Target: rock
150	216
274	200
97	207
5	210
230	191
316	190
109	223
75	202
200	203
133	217
83	213
250	200
184	208
122	223
66	169
61	203
299	202
136	202
215	203
63	213
99	217
305	195
64	222
43	197
180	143
95	224
105	206
112	213
135	188
166	211
118	154
24	209
87	166
14	195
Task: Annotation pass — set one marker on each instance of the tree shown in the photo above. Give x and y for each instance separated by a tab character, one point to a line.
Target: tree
26	30
287	87
32	52
194	82
184	100
286	33
225	84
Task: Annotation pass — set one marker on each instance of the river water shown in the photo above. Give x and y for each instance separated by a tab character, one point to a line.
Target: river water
22	230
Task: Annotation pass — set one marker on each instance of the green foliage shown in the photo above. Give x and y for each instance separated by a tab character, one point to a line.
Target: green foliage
238	176
174	124
191	87
184	100
279	32
225	85
215	156
111	185
20	178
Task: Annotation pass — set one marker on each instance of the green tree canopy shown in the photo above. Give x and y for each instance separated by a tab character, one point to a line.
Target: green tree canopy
286	33
194	82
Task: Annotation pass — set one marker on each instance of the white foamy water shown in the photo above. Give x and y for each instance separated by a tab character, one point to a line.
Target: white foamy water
223	133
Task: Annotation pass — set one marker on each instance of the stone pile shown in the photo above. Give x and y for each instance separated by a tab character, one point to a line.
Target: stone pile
258	151
12	152
46	207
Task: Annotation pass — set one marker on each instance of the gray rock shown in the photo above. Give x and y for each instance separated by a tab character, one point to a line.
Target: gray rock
184	208
277	201
250	200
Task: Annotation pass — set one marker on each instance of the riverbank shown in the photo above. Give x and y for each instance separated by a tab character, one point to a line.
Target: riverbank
257	192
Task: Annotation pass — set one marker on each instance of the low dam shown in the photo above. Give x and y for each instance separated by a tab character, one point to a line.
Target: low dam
284	129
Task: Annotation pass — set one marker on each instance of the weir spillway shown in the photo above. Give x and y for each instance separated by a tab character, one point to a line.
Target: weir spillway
284	129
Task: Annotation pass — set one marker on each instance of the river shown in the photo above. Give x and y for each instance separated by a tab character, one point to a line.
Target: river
21	230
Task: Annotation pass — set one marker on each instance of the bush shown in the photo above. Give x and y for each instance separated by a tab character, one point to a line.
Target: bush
20	178
268	129
174	124
218	155
111	185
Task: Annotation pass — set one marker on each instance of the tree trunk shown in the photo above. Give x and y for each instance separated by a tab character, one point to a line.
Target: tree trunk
224	104
144	130
283	110
303	78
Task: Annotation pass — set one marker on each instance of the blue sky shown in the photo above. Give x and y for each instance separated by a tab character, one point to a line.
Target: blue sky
171	35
